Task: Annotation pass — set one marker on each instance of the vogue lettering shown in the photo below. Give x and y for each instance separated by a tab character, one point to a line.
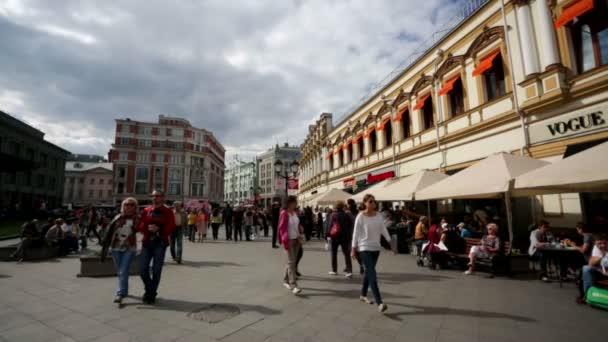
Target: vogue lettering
575	124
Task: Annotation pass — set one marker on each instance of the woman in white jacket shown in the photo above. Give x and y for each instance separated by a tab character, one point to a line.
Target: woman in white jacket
369	228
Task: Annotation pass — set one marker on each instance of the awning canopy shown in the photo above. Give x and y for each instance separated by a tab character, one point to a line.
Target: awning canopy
383	123
374	189
331	197
577	9
488	178
404	189
585	171
400	115
369	132
449	85
485	64
357	138
420	102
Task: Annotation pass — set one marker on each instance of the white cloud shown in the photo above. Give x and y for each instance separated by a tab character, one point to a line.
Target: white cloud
80	37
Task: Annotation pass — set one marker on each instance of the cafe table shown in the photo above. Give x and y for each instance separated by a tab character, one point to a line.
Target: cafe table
560	255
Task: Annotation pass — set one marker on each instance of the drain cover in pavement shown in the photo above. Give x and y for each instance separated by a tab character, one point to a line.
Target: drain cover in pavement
214	313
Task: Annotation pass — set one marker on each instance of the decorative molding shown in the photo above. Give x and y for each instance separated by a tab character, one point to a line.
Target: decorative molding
488	36
402	97
520	2
451	63
423	82
385	108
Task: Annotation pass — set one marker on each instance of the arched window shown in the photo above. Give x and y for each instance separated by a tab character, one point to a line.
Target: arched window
405	124
388	133
373	139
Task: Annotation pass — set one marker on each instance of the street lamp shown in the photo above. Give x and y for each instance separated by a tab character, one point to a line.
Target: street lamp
285	174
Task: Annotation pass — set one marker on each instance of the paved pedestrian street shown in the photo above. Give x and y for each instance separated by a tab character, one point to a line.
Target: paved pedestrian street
45	301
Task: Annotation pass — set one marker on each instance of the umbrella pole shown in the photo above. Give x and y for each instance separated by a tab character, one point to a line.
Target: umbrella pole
509	215
428	208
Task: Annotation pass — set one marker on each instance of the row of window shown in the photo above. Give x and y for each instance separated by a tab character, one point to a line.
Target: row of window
92	181
16	149
28	179
79	194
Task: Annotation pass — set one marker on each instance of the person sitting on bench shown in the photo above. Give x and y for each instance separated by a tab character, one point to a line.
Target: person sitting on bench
55	237
29	234
597	269
489	246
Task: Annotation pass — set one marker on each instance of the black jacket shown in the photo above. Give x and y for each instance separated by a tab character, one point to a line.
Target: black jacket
346	223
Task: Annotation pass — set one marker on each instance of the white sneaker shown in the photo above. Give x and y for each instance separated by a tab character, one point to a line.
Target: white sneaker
332	273
348	275
468	272
287	286
296	290
382	307
365	300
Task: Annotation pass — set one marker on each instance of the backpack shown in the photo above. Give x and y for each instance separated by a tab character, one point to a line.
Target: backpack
598	297
335	229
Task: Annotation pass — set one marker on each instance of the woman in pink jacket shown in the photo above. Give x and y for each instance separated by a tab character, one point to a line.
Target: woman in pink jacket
290	235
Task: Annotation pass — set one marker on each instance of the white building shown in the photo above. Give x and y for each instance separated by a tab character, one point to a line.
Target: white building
271	187
539	87
240	182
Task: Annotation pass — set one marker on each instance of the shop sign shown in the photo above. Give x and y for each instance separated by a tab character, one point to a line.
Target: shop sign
349	182
380	176
589	119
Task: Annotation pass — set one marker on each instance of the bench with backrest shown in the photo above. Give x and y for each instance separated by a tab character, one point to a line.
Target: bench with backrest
501	260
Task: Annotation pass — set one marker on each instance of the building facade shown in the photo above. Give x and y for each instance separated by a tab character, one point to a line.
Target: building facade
88	183
170	155
87	158
32	170
240	182
271	187
539	88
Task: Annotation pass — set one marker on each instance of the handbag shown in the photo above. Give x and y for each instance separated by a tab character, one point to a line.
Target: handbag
335	230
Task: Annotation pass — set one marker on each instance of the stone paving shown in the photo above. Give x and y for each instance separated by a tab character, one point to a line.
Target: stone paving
44	301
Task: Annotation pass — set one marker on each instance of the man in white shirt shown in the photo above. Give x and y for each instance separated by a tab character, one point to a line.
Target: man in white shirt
539	239
597	269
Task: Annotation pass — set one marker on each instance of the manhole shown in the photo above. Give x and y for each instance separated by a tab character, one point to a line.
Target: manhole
214	313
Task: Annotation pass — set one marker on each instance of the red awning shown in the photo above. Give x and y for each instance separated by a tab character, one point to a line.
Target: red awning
329	153
420	102
400	114
485	64
345	146
449	85
357	138
577	9
383	123
369	132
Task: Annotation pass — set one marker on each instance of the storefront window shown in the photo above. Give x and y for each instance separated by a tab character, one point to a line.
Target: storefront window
590	37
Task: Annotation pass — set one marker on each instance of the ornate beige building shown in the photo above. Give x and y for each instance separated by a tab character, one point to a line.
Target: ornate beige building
538	88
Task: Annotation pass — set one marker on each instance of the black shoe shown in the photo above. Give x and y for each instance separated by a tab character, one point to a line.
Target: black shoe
148	300
275	246
118	299
361	271
298	274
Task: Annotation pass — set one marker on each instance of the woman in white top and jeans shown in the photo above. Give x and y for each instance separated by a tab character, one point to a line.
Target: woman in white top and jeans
290	235
369	227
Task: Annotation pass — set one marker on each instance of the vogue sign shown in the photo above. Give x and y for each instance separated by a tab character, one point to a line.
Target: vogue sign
589	119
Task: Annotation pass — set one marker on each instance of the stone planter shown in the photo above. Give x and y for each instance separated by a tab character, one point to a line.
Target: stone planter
91	266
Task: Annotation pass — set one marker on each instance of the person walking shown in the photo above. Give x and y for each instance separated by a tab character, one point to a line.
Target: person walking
369	228
290	234
192	216
340	232
238	224
181	220
264	217
275	224
202	222
157	223
120	240
227	218
248	224
92	219
216	221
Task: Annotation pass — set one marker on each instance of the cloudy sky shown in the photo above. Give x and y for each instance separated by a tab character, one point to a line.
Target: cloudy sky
254	72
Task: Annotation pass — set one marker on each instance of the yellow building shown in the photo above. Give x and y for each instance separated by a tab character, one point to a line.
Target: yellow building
535	84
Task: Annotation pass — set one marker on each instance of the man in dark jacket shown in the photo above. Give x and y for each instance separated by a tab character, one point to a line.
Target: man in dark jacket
342	239
237	220
276	211
227	217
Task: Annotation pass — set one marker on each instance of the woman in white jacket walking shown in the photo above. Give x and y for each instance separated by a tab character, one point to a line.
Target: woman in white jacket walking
369	228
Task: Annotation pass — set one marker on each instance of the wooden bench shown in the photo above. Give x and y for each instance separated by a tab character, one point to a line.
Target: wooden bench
501	258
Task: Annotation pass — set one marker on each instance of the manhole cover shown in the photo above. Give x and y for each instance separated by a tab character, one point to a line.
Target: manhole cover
214	313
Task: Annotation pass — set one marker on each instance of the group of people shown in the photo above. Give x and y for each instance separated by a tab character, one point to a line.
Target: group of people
357	234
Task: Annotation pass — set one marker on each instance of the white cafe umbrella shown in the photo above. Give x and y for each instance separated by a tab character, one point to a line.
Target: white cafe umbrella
489	178
374	189
586	171
404	189
331	197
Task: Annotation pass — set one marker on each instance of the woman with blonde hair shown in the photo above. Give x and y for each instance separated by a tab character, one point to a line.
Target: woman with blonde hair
120	239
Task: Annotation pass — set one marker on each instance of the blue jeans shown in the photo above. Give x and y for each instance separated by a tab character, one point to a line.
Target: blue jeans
155	253
177	244
370	259
122	261
590	275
